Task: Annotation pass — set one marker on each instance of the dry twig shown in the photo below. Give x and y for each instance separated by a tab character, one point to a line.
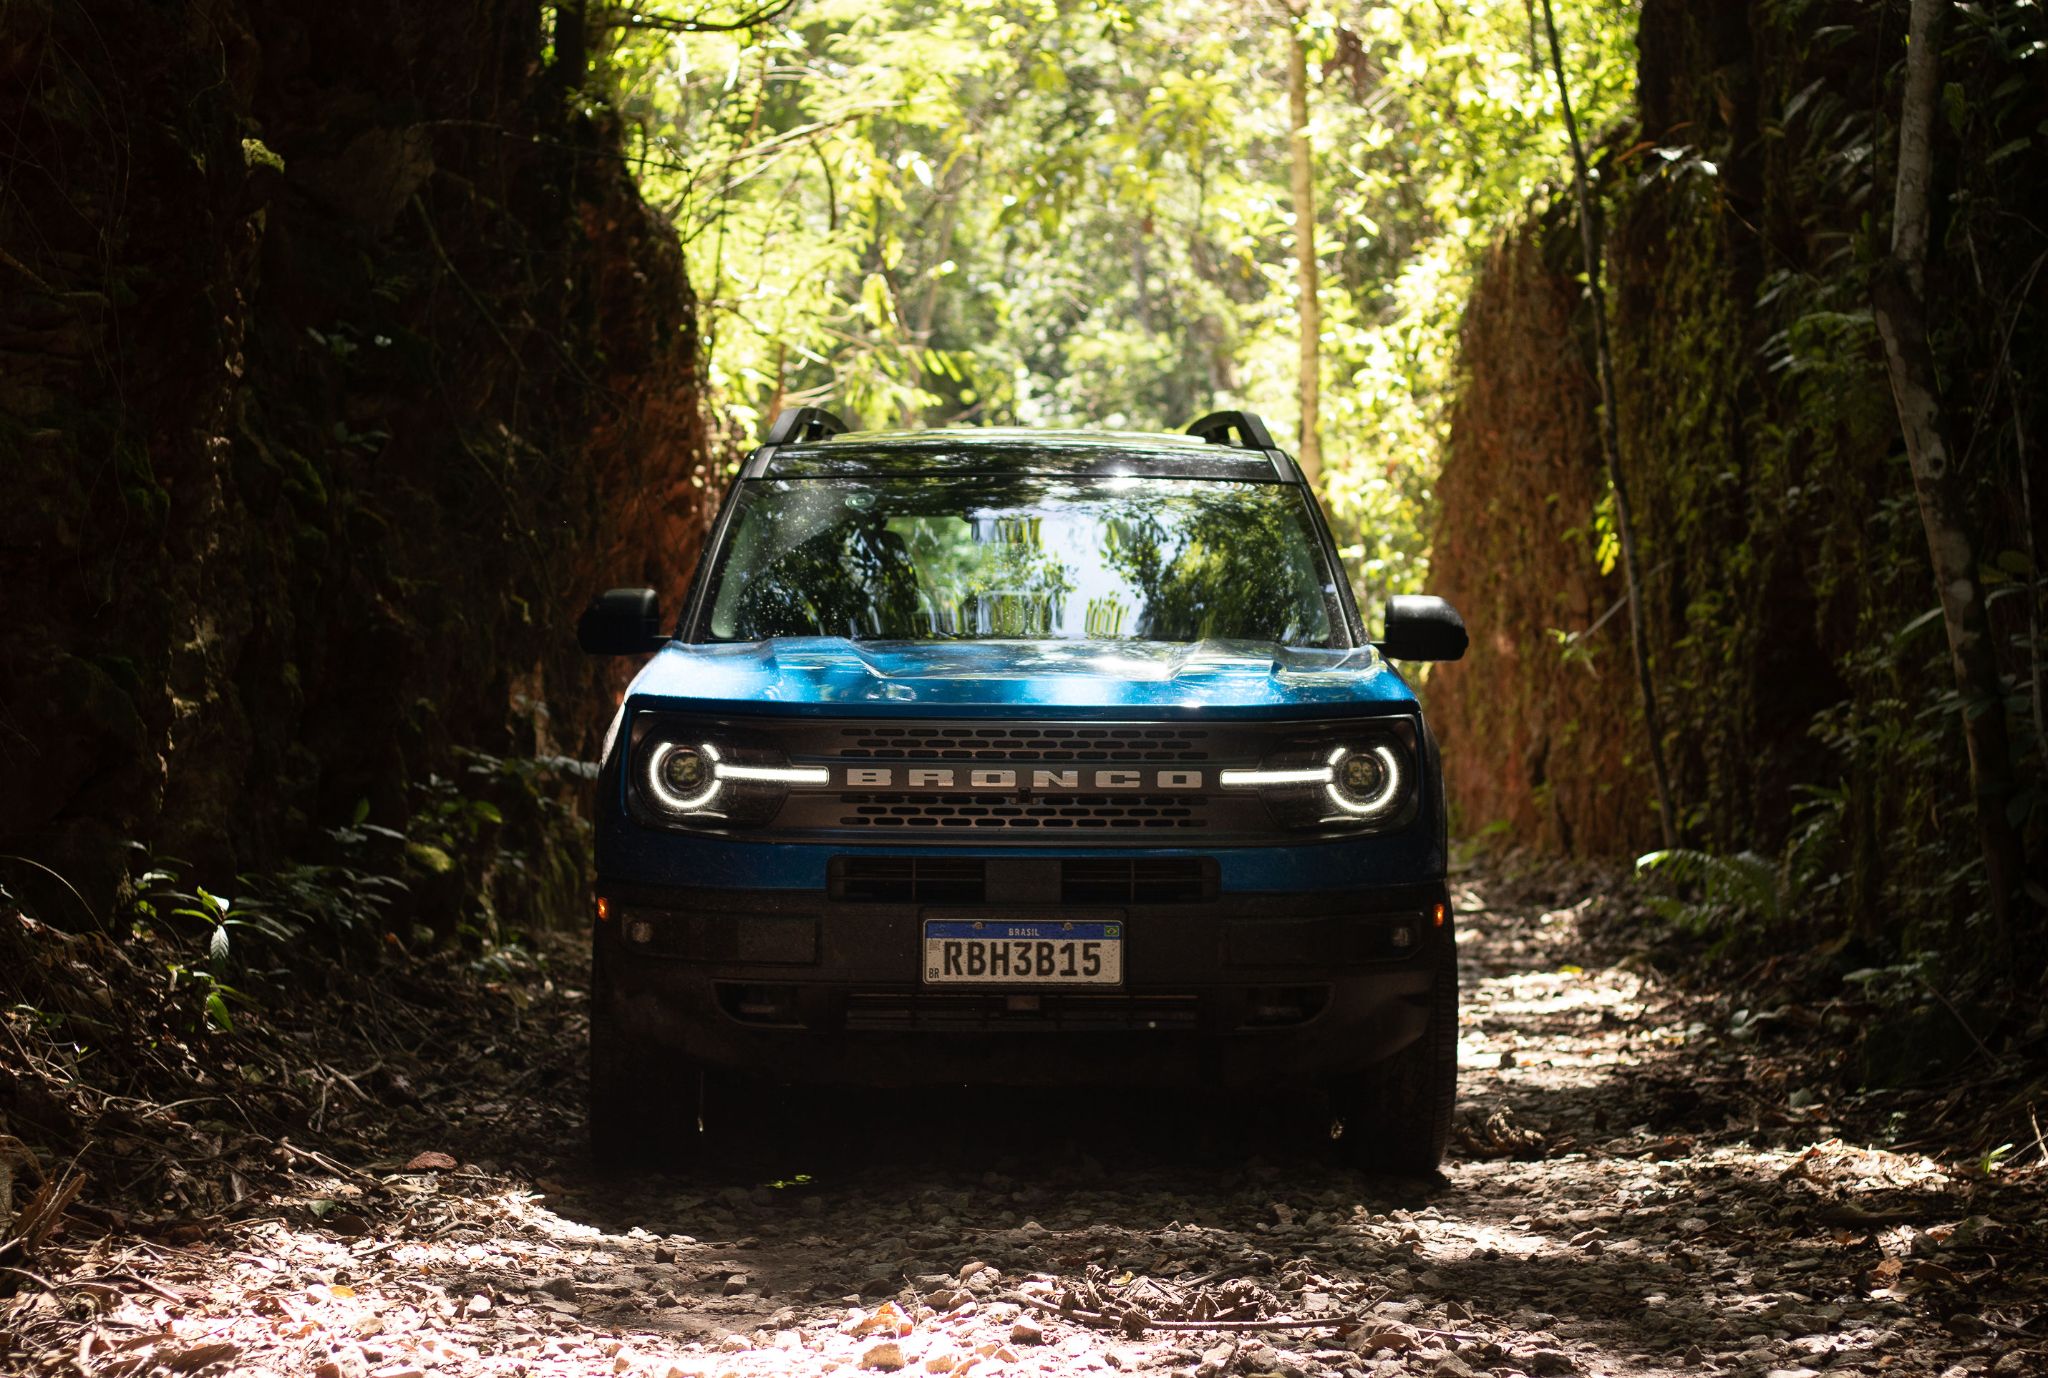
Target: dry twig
1132	1318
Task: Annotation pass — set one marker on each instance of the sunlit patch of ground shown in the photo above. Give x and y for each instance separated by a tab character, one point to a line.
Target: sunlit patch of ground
1631	1193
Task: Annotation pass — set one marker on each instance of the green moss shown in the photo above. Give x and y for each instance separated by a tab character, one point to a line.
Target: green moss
257	154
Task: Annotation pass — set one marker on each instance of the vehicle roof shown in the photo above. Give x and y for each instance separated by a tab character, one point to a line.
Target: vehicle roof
1020	450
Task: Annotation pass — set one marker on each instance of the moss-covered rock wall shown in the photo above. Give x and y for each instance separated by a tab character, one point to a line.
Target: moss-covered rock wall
1537	718
339	361
1806	689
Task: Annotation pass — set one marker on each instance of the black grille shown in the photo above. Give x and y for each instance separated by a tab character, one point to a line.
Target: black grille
1065	1012
906	880
1144	880
1082	881
1002	812
1062	782
1024	742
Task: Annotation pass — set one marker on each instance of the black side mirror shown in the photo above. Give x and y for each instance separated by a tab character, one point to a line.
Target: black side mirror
1423	627
621	622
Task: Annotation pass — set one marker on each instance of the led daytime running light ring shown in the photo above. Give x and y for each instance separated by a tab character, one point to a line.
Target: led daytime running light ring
668	798
1380	801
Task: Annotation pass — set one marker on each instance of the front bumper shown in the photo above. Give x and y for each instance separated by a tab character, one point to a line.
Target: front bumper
1232	989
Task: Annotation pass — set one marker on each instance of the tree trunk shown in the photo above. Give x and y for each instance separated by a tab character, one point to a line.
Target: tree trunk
572	46
1610	446
1311	456
1898	297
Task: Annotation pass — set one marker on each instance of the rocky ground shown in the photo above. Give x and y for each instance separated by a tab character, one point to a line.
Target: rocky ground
1637	1188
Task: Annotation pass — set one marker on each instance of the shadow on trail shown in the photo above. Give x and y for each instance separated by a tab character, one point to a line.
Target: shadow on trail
1012	1154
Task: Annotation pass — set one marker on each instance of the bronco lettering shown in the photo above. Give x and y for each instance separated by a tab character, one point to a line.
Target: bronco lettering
943	777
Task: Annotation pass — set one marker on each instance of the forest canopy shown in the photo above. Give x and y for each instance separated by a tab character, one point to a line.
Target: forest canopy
1012	212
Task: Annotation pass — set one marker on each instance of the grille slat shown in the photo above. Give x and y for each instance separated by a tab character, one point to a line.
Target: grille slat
1082	881
1047	812
1143	880
906	880
1012	742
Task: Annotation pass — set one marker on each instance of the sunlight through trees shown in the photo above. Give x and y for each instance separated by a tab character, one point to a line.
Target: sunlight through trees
1008	211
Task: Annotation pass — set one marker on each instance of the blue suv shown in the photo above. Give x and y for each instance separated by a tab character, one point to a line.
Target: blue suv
1022	757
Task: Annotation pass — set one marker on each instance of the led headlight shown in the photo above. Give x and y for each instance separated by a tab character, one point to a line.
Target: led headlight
681	780
1365	780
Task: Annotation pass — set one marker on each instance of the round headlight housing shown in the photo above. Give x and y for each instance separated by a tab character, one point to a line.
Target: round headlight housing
682	778
1367	782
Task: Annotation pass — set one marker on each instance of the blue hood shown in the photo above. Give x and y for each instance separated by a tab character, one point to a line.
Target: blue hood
1021	677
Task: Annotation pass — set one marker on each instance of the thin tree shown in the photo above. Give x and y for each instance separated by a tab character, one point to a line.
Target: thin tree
1899	301
1305	274
1610	443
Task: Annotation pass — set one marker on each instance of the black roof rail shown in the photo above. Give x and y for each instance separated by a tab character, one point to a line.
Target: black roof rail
798	425
1217	426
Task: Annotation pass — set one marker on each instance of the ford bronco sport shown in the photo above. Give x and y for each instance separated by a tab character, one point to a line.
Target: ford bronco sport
1022	757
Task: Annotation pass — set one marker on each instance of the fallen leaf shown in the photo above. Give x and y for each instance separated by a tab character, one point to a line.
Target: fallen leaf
431	1161
198	1356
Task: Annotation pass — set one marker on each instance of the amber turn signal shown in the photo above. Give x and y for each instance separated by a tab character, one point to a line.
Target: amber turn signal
604	910
1437	914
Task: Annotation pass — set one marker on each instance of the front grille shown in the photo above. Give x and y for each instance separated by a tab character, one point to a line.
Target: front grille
1021	782
998	812
906	880
1030	742
1081	881
1142	880
882	1011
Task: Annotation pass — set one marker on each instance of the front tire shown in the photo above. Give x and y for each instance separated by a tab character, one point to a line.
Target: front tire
643	1100
1396	1117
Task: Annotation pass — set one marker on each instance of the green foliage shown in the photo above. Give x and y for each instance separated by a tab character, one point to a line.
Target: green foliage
257	154
1801	665
1723	897
1015	211
279	921
467	869
1712	893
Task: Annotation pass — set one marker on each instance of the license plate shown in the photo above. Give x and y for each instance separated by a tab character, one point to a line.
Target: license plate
1030	952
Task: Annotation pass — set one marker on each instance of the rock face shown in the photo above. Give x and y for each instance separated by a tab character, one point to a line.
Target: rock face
1786	570
339	362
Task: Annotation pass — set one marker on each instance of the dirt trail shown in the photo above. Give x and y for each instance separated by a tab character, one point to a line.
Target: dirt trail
1632	1193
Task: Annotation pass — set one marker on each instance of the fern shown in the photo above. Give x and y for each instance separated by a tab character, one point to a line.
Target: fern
1715	891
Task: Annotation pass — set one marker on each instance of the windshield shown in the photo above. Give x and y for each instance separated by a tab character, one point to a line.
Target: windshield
1024	557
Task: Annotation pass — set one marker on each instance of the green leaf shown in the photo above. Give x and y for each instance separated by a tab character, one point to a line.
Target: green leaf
217	946
362	812
217	1013
1903	634
2006	150
1955	104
